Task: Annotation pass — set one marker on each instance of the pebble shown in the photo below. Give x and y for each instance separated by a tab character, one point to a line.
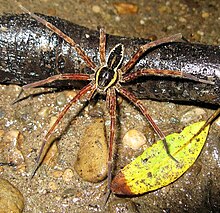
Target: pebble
164	9
44	111
2	113
125	8
52	185
57	173
61	99
1	132
68	193
67	175
1	169
134	139
119	100
11	199
96	112
182	19
96	9
91	163
13	141
205	14
24	114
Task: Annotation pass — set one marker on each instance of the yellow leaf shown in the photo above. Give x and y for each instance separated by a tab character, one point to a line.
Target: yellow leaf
155	169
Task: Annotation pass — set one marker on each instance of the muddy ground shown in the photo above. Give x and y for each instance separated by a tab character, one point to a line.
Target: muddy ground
52	190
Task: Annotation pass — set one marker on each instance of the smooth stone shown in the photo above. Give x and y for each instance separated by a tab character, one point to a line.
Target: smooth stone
134	139
91	163
67	175
11	199
61	99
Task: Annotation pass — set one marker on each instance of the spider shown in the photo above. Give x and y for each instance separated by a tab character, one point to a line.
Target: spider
107	79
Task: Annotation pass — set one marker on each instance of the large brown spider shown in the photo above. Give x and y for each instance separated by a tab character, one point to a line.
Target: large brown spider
107	79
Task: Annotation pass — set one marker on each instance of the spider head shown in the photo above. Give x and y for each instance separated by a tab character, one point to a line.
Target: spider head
107	75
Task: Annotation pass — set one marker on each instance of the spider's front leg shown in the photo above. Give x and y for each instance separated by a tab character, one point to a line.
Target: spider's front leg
47	139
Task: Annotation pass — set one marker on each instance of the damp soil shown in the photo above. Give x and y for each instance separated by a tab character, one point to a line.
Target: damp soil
196	191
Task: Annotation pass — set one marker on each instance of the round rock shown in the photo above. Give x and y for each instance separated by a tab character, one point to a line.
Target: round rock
11	199
134	139
91	163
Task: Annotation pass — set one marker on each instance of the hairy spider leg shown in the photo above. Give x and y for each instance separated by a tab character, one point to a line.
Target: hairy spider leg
102	46
134	75
111	101
69	40
157	72
142	49
130	96
64	76
90	87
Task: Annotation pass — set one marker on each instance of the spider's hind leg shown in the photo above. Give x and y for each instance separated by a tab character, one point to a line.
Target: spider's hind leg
130	96
111	105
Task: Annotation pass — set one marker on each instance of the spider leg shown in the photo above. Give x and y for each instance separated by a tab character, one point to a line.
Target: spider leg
111	104
102	46
157	72
65	76
142	49
50	26
130	96
47	139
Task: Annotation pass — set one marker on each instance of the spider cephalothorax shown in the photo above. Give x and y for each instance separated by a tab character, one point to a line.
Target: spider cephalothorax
108	75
